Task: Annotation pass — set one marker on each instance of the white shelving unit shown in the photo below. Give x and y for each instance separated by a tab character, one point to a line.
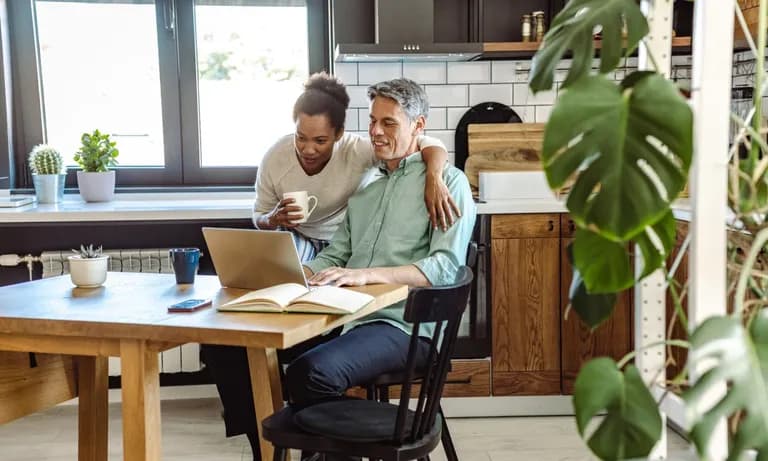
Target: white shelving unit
711	87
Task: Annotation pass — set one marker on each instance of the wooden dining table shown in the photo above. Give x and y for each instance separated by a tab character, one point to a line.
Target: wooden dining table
127	317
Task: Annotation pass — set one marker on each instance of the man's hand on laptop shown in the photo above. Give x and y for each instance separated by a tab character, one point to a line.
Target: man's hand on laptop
340	276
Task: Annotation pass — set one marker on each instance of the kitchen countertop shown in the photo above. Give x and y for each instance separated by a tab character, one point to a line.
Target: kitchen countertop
219	205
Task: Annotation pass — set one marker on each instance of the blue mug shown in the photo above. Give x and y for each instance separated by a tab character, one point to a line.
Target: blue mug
185	262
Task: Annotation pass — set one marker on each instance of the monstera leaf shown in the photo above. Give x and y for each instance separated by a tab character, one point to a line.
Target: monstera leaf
591	309
629	157
741	361
606	266
632	424
573	28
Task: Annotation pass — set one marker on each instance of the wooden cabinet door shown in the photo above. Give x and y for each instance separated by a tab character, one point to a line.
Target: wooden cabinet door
613	338
525	293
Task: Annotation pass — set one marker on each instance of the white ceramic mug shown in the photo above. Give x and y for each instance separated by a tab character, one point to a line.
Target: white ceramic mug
302	199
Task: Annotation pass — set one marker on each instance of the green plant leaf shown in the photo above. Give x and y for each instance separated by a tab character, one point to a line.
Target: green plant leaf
604	265
629	157
740	360
632	424
591	309
572	29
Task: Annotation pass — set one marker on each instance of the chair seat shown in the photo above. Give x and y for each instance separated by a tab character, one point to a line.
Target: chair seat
352	427
352	420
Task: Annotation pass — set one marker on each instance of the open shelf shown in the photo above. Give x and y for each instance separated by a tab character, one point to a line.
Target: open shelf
527	49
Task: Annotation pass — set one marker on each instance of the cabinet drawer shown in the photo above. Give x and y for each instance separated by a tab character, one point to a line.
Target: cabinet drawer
525	226
567	226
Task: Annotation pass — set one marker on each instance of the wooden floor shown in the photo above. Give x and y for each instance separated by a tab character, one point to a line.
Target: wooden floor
193	431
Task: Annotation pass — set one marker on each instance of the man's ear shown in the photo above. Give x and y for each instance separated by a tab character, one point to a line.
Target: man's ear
421	123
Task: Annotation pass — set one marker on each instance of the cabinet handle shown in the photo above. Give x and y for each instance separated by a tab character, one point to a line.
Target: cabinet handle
551	225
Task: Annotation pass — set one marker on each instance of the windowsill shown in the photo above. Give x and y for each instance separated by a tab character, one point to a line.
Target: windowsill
166	206
180	206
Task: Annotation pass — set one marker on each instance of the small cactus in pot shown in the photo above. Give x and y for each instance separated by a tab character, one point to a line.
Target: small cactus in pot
44	159
47	167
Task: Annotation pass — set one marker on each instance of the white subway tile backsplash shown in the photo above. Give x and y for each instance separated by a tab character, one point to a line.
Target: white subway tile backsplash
469	72
501	93
375	72
358	96
454	115
542	113
436	119
363	119
346	72
447	95
527	113
351	120
425	72
523	96
446	136
503	71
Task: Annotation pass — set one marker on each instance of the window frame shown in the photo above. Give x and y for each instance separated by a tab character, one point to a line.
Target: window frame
177	52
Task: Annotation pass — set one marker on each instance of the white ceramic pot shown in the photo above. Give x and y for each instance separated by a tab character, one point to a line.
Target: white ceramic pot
88	272
96	187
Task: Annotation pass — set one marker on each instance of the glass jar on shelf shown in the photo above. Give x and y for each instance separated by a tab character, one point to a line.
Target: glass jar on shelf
526	23
540	29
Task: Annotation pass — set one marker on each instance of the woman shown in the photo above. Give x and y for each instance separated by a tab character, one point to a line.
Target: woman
330	164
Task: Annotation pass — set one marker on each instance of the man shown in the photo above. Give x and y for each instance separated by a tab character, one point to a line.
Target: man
386	237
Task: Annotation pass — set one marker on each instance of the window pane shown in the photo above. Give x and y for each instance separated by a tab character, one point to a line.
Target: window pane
102	73
252	62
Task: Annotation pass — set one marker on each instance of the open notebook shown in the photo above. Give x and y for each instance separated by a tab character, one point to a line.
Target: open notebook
292	297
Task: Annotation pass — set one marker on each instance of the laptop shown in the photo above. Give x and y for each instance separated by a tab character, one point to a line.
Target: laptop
253	259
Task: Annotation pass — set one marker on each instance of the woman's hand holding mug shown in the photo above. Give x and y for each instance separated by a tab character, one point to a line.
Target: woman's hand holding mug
292	210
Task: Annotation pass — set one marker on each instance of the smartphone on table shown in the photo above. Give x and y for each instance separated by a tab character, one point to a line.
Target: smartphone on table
189	305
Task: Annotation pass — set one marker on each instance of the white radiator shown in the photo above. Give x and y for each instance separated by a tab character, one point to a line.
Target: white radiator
153	260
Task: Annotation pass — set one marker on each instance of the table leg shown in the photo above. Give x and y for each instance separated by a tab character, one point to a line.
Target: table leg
140	381
93	420
267	391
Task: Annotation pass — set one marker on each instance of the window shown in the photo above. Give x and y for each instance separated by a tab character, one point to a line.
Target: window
193	91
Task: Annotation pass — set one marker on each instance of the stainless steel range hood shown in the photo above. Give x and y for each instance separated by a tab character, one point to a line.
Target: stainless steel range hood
405	32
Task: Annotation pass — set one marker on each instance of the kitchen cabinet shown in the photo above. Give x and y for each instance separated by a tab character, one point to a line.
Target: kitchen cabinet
579	344
455	21
535	350
525	295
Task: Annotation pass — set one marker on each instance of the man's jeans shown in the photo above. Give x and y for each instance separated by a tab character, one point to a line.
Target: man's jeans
355	358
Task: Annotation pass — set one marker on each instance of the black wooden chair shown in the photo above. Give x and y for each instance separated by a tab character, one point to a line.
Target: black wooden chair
379	388
381	430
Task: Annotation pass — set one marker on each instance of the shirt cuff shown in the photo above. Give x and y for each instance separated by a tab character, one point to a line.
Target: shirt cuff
437	270
316	265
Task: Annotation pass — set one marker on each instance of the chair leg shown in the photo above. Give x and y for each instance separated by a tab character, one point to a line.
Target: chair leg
384	394
370	392
280	454
445	437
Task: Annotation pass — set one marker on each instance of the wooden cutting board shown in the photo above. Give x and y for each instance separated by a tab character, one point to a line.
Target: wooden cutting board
503	147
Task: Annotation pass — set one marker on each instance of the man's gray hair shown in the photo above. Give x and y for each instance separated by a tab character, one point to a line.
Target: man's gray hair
409	94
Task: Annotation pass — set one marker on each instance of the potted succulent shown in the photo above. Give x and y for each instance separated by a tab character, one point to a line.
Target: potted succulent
88	267
46	165
96	156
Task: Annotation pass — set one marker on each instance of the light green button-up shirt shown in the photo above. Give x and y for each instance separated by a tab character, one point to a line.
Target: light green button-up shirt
387	225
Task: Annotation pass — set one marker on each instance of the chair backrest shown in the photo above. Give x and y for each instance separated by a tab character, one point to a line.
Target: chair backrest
444	306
